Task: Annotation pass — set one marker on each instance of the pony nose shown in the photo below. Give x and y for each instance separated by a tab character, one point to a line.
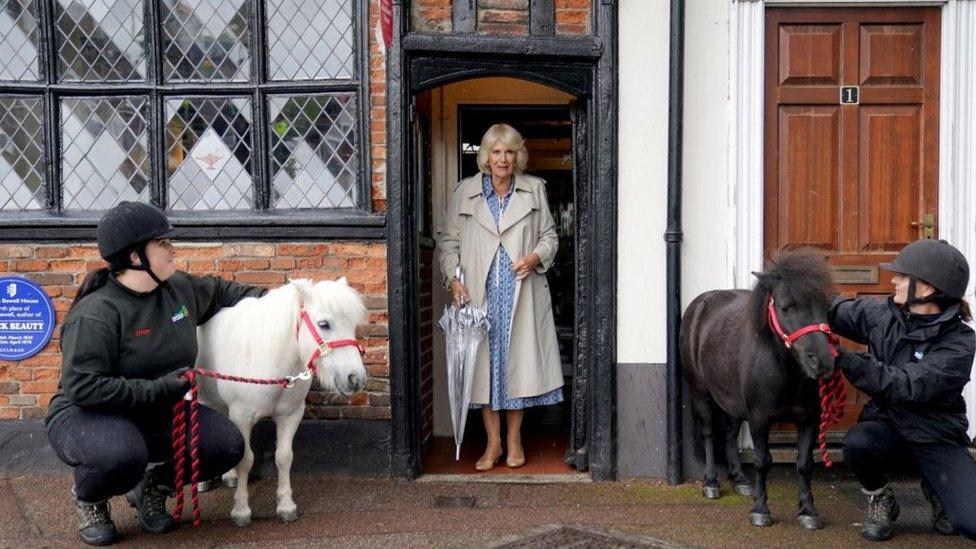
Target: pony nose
356	382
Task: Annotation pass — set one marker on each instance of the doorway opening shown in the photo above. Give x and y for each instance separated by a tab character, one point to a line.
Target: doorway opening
448	124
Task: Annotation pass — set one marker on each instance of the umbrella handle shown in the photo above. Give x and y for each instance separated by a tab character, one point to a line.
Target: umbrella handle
459	274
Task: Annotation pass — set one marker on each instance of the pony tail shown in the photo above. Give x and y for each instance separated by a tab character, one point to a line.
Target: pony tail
93	281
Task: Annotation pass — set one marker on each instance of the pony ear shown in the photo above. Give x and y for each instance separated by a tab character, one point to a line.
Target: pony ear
304	288
343	281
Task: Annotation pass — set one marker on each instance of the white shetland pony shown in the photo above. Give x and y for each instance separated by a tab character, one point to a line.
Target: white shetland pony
272	337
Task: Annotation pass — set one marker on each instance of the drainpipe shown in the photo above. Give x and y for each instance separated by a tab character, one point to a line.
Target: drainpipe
673	235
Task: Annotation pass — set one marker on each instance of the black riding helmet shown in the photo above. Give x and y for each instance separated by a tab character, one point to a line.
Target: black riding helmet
126	228
936	262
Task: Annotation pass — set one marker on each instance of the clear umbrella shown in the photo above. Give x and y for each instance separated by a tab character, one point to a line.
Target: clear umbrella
464	330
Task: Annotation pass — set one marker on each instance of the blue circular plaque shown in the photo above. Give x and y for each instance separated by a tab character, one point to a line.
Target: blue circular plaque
26	318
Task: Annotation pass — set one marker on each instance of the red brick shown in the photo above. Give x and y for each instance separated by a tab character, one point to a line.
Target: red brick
44	400
258	250
230	264
17	251
47	373
50	252
359	399
9	387
26	265
503	29
379	370
70	265
282	263
44	360
578	4
4	400
503	16
189	251
85	252
7	412
264	277
38	387
569	17
570	29
200	266
17	373
256	264
53	291
52	279
504	4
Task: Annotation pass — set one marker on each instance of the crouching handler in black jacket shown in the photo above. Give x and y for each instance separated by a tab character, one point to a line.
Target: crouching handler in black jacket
129	337
919	360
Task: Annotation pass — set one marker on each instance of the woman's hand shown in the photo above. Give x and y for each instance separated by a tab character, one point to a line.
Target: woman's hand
524	266
460	293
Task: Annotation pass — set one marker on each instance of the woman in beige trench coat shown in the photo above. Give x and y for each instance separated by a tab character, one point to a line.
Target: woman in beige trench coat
499	229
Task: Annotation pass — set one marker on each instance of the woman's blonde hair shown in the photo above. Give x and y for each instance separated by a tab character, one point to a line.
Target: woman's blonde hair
508	136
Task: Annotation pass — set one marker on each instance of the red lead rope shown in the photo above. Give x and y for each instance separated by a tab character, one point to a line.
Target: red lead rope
832	394
188	427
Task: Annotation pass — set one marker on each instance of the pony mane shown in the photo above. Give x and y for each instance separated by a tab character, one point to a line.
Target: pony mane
801	276
268	322
343	299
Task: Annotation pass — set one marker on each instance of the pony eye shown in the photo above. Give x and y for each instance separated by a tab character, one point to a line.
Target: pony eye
324	324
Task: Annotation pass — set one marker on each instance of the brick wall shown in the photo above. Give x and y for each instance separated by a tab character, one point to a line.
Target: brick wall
502	17
377	109
573	17
26	387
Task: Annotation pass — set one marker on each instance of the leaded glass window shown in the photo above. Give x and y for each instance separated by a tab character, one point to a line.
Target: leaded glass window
199	106
19	40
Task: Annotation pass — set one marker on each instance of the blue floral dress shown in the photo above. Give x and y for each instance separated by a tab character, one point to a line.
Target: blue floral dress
501	300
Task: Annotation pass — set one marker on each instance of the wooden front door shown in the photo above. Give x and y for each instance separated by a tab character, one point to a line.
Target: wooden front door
851	139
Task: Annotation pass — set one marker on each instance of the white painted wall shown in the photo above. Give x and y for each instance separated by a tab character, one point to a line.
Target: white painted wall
642	181
705	253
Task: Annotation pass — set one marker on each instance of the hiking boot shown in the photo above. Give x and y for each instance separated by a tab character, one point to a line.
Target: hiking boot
940	522
95	524
882	512
149	499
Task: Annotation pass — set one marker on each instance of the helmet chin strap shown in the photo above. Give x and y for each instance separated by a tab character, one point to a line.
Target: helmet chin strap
912	299
144	266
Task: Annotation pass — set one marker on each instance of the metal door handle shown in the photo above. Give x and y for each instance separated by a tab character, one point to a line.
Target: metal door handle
927	224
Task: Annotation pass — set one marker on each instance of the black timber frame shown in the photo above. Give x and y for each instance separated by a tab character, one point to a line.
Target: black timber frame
583	66
259	223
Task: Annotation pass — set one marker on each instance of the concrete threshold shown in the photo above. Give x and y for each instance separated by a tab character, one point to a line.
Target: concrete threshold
561	478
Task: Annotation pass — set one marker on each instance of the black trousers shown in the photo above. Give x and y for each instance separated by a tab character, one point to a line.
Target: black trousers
110	452
873	450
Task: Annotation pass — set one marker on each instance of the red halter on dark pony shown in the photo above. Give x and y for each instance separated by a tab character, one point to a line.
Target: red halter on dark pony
832	395
183	422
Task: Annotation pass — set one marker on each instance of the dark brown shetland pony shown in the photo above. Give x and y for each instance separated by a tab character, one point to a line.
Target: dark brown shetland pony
739	370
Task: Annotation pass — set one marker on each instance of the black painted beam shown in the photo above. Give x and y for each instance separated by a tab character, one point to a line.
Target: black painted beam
585	47
542	17
464	15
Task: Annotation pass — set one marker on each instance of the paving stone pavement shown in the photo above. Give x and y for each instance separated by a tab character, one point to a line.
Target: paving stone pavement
35	511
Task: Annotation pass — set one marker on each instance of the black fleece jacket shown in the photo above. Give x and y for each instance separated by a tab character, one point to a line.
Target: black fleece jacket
117	343
915	371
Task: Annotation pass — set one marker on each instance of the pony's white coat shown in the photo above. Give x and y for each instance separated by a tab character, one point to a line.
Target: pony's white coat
257	338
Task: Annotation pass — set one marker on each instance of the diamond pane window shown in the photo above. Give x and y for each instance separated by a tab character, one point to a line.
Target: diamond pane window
104	152
100	40
18	40
208	153
310	39
21	154
314	151
206	40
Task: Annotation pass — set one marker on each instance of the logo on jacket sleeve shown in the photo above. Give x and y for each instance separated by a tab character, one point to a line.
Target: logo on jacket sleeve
180	313
142	332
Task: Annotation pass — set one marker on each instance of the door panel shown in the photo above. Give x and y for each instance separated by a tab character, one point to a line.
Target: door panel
854	178
810	139
890	176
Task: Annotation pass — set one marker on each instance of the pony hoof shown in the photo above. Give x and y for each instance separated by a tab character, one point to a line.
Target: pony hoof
230	482
241	522
288	516
760	519
711	492
810	522
743	489
206	486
